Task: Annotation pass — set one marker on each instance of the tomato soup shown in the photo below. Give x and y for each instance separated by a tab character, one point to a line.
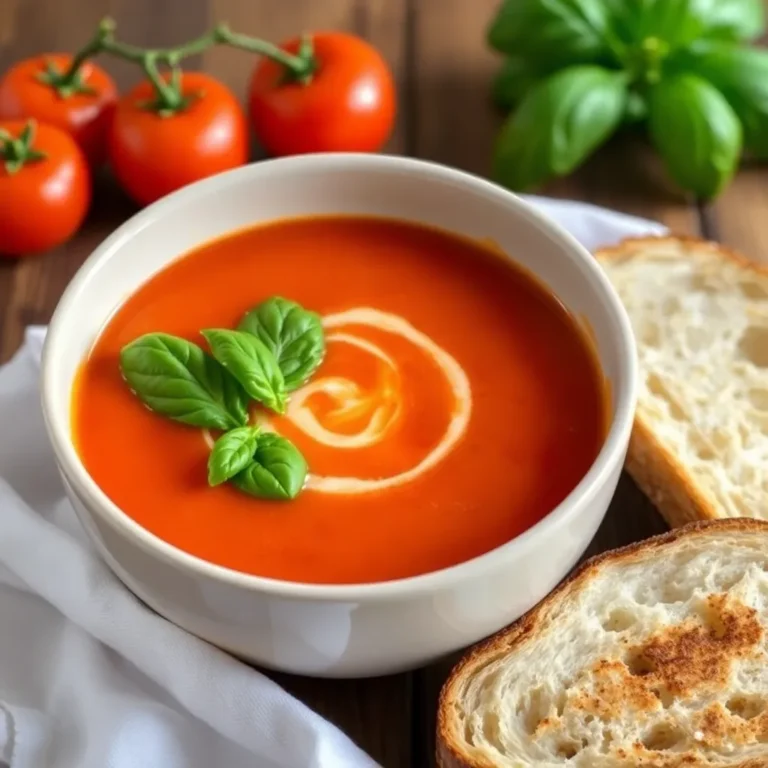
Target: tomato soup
457	403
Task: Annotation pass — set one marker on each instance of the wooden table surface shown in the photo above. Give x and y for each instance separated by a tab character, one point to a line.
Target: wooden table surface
436	48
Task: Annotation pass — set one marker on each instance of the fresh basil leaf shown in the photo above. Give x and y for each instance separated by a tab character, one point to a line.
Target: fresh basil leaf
175	378
293	335
696	131
675	24
558	124
251	363
624	19
741	74
734	20
555	31
277	470
231	454
661	25
515	78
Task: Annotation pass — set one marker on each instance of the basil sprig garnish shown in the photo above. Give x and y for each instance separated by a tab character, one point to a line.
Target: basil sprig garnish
251	363
177	379
278	347
231	454
686	71
277	469
293	335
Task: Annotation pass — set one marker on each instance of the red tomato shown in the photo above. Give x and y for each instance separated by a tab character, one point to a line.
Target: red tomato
43	202
348	105
153	155
83	115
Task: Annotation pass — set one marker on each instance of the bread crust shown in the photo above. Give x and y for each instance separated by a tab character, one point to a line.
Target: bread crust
657	471
449	745
626	246
665	480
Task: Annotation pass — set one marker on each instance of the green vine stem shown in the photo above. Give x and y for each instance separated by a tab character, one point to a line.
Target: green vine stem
16	153
169	98
299	67
71	82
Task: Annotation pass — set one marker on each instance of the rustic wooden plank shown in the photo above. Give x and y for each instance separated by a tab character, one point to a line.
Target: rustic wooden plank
153	23
740	213
384	24
452	74
28	27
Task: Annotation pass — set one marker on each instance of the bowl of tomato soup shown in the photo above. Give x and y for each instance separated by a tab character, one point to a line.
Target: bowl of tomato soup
340	414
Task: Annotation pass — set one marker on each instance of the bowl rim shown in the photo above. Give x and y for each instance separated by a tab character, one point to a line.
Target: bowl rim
611	452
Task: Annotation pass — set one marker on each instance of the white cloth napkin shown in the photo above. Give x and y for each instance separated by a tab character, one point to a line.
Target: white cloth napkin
89	678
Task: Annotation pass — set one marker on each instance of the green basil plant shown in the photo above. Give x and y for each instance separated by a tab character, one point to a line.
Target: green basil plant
577	70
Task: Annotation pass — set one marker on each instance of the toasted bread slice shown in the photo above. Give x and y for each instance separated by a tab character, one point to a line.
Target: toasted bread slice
653	655
699	449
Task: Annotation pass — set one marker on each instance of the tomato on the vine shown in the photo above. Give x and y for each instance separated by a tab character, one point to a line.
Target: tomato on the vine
155	151
82	106
45	187
347	104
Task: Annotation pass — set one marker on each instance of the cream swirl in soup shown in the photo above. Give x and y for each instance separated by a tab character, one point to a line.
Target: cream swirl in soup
379	407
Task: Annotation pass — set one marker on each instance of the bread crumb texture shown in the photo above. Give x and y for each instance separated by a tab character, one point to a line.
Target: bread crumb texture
654	658
700	316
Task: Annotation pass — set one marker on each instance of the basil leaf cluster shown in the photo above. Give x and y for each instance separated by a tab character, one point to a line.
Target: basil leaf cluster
278	346
575	71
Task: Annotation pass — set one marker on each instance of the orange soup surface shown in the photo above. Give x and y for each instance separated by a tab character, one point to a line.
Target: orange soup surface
457	403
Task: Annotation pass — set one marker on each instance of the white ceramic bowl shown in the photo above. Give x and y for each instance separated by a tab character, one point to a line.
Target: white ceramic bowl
339	631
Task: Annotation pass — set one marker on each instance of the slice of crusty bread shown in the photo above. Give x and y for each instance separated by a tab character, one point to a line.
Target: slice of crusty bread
654	655
700	315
